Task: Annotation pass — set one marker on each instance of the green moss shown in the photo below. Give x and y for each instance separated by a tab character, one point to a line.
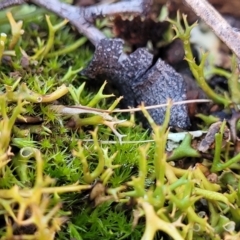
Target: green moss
70	175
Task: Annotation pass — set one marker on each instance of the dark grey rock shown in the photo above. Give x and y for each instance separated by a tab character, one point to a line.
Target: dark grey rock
138	81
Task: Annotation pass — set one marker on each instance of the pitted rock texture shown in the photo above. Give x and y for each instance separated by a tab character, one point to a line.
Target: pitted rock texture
138	81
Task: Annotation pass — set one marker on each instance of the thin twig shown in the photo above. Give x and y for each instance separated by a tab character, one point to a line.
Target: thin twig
174	137
80	109
137	109
103	10
115	142
76	16
218	24
82	18
8	3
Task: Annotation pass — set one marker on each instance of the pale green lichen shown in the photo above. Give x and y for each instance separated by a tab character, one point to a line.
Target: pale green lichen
58	171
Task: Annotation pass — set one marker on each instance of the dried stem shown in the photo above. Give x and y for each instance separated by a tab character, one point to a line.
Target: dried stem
9	3
76	16
137	109
81	17
133	7
218	24
80	109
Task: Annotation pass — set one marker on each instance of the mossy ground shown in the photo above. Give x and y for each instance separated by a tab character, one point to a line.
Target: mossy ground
56	141
59	185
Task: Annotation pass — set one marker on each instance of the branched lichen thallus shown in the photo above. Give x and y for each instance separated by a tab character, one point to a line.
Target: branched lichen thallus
6	125
139	81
